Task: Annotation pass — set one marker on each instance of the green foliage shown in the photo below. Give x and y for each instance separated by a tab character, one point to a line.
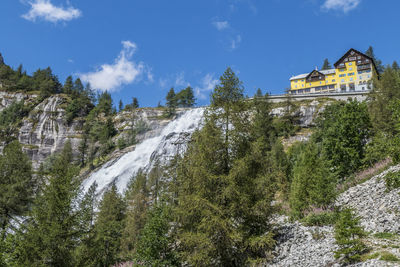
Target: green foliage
16	185
348	234
53	214
378	63
226	182
384	235
326	65
108	228
321	218
343	130
155	246
313	184
137	198
10	119
287	124
185	98
387	256
392	180
384	92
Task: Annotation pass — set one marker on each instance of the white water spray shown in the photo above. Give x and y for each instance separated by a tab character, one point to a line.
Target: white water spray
159	147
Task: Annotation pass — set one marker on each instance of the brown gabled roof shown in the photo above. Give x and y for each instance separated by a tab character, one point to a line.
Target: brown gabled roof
356	51
313	72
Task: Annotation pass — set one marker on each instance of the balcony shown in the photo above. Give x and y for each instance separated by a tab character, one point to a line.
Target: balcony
364	67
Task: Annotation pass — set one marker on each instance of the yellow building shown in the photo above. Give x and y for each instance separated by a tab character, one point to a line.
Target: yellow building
352	72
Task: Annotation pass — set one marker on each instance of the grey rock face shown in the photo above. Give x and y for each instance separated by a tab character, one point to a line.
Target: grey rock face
379	210
45	131
6	98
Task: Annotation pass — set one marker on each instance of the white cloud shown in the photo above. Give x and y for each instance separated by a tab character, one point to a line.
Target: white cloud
123	71
343	5
221	25
208	84
44	9
70	60
235	42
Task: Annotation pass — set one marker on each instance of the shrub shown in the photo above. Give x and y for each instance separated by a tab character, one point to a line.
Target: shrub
320	219
392	180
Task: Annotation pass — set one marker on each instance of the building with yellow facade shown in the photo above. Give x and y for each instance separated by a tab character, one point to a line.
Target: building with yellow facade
353	72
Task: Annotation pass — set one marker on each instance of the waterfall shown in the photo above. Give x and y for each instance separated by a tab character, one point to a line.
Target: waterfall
160	147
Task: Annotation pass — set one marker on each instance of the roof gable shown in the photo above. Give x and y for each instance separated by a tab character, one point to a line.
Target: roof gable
352	55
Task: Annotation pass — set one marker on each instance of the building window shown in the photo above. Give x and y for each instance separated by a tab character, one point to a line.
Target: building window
358	57
341	70
350	63
342	80
310	84
351	79
333	80
351	74
350	68
342	75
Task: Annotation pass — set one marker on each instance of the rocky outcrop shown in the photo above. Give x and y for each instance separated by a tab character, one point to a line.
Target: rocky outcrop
45	131
7	98
378	209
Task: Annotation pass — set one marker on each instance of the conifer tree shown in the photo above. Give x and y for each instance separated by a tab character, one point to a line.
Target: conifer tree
109	228
68	85
348	234
171	103
1	59
326	65
137	198
395	66
51	235
258	93
155	247
16	184
135	103
226	185
120	105
378	63
313	184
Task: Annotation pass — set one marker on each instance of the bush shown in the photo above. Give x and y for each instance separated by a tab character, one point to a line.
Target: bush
392	180
387	256
320	219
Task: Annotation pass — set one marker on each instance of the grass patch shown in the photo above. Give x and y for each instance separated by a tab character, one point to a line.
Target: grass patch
385	235
370	256
387	256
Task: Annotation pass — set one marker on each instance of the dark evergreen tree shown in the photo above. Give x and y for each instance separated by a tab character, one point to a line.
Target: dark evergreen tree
109	228
313	184
395	66
137	198
258	93
1	59
155	247
135	103
16	184
326	65
51	235
68	85
120	105
378	63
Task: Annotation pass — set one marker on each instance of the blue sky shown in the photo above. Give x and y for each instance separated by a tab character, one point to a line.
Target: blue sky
143	48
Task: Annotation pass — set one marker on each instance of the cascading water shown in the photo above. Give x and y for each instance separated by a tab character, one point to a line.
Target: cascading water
160	147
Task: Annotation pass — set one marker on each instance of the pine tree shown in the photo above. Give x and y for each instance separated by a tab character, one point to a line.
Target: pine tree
348	234
313	184
137	197
378	63
78	87
395	66
1	60
120	105
226	185
68	85
135	103
109	228
16	184
259	93
155	241
326	65
51	235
